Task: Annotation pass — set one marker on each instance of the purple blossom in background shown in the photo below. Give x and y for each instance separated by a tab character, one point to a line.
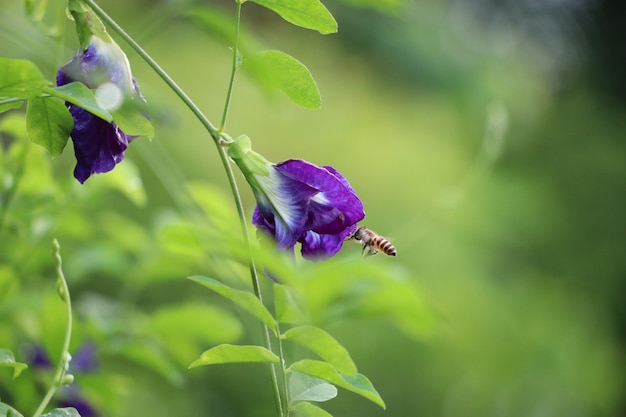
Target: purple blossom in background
298	201
100	63
83	361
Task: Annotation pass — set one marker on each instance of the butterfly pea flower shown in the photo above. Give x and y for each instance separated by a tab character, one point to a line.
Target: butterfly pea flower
101	65
298	201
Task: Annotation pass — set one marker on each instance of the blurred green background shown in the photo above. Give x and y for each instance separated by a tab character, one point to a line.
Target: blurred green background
486	139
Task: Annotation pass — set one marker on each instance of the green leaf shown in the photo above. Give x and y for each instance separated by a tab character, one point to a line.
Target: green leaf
20	78
131	118
276	69
7	359
286	305
62	412
183	328
243	299
309	14
307	388
305	409
79	94
324	345
36	9
358	383
235	354
8	411
10	105
49	124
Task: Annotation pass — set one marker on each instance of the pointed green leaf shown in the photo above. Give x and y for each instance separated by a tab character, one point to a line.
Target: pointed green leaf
8	411
286	305
309	14
7	359
307	388
20	78
243	299
49	124
62	412
79	94
304	409
358	383
322	343
131	118
235	354
276	69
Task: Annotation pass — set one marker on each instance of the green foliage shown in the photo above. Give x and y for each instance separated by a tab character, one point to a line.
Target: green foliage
8	360
235	354
306	388
20	79
310	14
306	409
324	345
278	70
62	412
8	411
49	124
78	93
357	383
243	299
36	9
131	119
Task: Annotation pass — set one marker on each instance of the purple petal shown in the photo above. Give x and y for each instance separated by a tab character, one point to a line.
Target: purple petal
336	206
37	357
84	359
98	145
321	246
282	203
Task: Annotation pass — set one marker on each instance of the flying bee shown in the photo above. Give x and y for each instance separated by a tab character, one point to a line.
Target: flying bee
372	242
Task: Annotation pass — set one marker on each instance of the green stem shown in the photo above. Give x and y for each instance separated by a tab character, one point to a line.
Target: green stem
281	354
233	71
65	356
161	73
219	138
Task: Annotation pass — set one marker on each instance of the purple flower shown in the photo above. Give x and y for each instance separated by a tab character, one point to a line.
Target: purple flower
83	361
298	201
99	64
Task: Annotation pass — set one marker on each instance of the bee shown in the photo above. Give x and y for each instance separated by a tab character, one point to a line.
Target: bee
372	242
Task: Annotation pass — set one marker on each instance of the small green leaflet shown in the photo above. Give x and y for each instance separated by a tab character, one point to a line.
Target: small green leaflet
358	383
307	388
305	409
324	345
243	299
309	14
235	354
276	69
7	359
62	412
79	94
131	119
49	124
8	411
20	78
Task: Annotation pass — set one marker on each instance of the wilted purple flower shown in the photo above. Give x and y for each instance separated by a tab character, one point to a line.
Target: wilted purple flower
298	201
99	64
